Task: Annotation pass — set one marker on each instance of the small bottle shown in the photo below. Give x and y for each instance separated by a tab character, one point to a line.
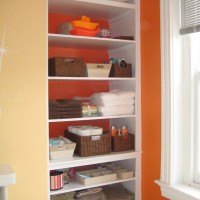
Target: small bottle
113	131
124	132
119	132
123	63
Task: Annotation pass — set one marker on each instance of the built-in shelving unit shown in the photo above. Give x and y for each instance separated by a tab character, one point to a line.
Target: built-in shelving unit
124	20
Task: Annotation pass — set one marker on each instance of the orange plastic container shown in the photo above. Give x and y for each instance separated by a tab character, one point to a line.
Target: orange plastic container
85	23
84	32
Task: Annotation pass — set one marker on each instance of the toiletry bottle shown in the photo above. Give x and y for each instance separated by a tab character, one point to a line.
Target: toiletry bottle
124	132
123	63
113	131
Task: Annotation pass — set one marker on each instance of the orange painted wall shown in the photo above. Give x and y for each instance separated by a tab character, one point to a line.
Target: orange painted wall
61	89
151	98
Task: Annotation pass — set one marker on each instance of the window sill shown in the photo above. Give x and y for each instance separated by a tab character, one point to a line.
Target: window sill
179	192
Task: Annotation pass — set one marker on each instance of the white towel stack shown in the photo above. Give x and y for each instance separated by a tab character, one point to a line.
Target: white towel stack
114	102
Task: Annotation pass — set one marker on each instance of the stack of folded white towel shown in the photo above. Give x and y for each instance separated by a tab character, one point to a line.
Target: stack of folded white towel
88	130
114	102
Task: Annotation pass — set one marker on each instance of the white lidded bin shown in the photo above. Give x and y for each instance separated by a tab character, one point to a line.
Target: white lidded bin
97	70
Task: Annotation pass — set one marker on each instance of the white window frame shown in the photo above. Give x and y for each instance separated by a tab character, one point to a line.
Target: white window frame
196	66
177	109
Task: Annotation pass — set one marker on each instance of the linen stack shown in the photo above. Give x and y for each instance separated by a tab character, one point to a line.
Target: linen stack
64	108
89	110
114	102
66	196
91	194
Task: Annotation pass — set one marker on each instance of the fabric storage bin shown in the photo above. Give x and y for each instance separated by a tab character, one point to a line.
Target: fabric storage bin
90	145
62	151
123	143
97	70
67	67
118	71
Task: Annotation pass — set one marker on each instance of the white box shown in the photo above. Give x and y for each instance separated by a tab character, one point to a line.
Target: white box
124	173
97	70
62	151
90	177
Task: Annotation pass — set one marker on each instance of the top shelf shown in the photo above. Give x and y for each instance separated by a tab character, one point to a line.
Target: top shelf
87	42
104	9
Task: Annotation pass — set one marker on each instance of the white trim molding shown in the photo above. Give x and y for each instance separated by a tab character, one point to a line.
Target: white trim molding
176	148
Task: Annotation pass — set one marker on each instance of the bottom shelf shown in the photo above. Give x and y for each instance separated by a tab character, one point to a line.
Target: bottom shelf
116	191
74	186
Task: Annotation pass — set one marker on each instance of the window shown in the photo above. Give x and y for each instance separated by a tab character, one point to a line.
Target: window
180	51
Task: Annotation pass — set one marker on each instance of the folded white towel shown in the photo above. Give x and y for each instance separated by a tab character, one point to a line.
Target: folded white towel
113	98
117	110
99	102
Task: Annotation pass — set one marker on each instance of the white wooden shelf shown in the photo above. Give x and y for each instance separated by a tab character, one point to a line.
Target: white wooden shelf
103	9
84	42
80	161
90	118
74	186
89	79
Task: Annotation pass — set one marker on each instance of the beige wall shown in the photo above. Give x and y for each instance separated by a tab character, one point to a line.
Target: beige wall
23	97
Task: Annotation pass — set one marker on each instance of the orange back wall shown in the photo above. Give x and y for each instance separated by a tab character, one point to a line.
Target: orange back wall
151	98
70	89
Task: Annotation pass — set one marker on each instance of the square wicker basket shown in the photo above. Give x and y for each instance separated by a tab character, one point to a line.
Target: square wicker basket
118	71
66	67
90	145
125	143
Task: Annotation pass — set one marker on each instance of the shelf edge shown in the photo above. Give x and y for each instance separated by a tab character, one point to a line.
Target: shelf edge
81	187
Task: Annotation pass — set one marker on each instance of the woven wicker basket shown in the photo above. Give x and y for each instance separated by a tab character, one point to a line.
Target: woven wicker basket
86	146
123	143
117	71
66	67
